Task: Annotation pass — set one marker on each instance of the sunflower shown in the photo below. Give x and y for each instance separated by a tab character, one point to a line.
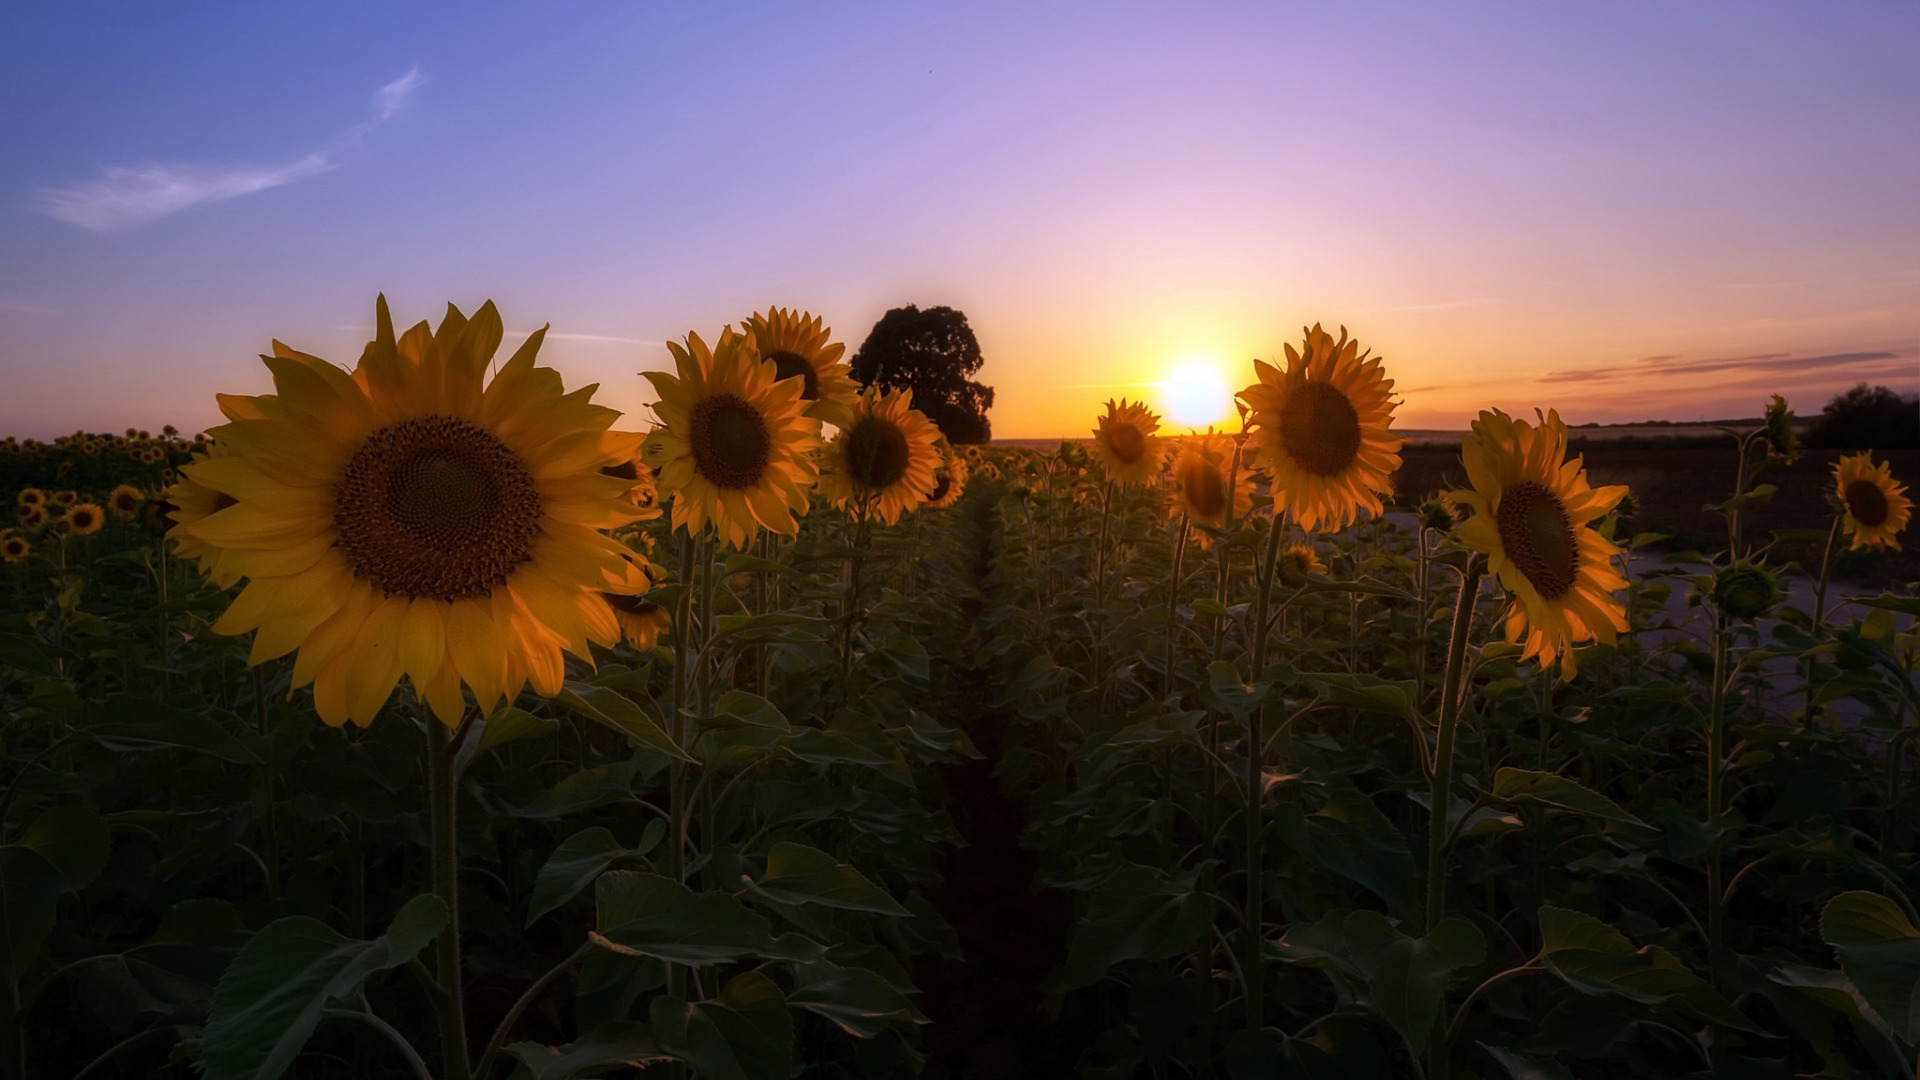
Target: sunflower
949	481
1875	506
1203	474
84	519
796	344
1321	427
643	494
881	464
32	517
30	497
65	499
414	518
736	444
15	548
1299	562
1125	445
1530	510
125	500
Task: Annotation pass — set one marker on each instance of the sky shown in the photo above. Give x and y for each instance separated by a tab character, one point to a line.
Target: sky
1623	210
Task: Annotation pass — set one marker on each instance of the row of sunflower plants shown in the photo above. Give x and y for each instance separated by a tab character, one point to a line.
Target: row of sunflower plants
596	788
1468	785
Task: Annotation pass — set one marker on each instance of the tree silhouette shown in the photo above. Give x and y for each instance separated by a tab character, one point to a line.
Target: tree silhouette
1868	418
930	352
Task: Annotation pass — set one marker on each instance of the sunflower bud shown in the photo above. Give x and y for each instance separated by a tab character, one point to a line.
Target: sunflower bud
1296	563
1782	443
1436	515
1745	591
1073	454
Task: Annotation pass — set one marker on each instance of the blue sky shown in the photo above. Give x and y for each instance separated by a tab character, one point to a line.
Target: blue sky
1622	210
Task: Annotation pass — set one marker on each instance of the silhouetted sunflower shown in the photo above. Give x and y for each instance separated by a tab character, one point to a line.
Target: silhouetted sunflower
735	446
414	518
1530	508
796	344
881	464
1204	484
1125	444
1875	505
1322	430
949	482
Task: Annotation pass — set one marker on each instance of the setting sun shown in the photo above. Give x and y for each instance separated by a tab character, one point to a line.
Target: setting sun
1195	393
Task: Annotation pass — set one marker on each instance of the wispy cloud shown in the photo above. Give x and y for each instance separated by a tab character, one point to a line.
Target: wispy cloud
1827	365
127	195
595	339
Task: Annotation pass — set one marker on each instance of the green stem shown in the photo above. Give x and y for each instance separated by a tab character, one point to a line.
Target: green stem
526	998
1256	811
1819	613
442	798
398	1040
1173	601
1716	750
1440	791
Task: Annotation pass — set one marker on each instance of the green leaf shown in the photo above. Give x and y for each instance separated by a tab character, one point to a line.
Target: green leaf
1879	950
738	707
798	874
1369	694
1594	958
30	888
1136	914
1525	1068
609	707
131	724
609	1047
1526	787
744	1034
74	840
272	995
578	860
859	1001
1406	976
648	915
1239	698
583	790
512	725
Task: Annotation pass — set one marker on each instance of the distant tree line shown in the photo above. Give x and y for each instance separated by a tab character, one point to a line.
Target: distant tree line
932	353
1868	418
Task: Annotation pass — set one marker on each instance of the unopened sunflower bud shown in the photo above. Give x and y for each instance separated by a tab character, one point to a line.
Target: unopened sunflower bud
1436	515
1297	562
1745	591
1781	441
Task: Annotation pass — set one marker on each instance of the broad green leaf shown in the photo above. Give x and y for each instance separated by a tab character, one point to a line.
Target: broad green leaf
1562	929
30	888
610	708
1137	914
1879	949
584	790
1407	976
643	914
512	725
610	1047
798	874
73	839
1559	793
1240	699
272	995
744	1034
861	1002
131	724
578	860
751	710
1369	694
1351	837
1525	1068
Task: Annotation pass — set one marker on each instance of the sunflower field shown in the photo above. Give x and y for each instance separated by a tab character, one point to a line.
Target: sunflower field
425	719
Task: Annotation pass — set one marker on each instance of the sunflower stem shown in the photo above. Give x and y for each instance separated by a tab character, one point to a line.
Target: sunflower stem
1442	783
1173	601
1254	964
442	800
1819	612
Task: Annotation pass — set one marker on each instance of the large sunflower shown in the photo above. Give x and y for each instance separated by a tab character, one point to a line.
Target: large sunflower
796	344
1205	484
881	464
1321	427
1875	504
1530	508
1125	444
735	445
412	518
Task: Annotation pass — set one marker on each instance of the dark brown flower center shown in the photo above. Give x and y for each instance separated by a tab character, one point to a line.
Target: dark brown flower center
438	507
1319	428
731	443
1126	442
126	502
1867	503
1537	534
791	365
876	453
942	483
1206	489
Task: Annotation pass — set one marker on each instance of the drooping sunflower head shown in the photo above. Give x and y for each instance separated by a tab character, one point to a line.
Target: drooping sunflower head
30	497
735	445
1782	442
1532	509
32	517
414	518
1125	443
1298	563
1874	506
1746	591
949	481
642	619
15	548
125	500
84	519
1322	430
798	346
881	464
65	498
1211	485
644	494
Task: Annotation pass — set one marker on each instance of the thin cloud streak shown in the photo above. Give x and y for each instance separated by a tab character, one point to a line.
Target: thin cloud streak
1825	366
124	196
